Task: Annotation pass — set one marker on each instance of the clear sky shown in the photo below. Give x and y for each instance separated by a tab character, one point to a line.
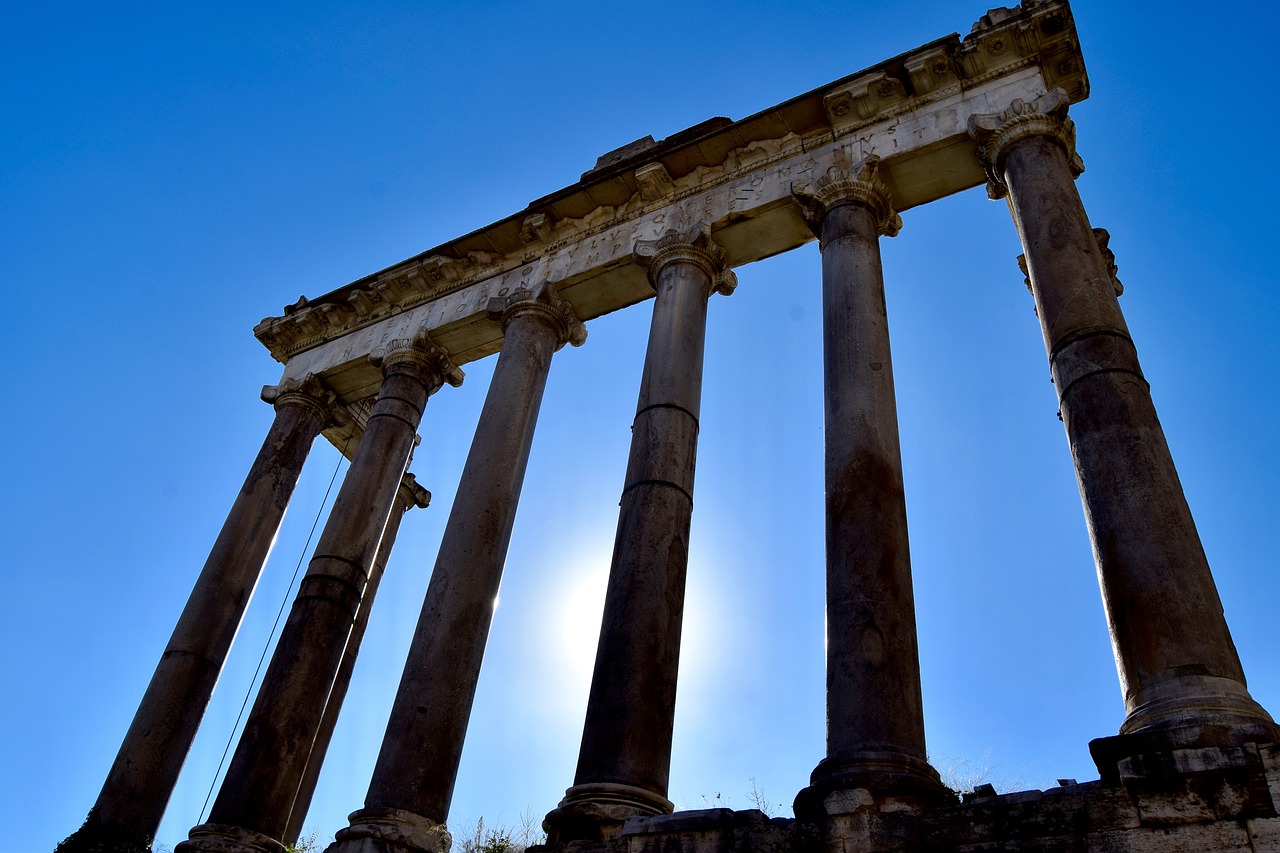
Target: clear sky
172	173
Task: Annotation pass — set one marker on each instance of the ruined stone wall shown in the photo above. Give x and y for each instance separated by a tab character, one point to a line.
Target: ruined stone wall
1185	801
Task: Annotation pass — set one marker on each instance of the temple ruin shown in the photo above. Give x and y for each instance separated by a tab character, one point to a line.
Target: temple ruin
1195	763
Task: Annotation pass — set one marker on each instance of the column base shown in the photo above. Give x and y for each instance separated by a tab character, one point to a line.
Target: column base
223	838
879	774
1144	753
1176	700
390	831
597	810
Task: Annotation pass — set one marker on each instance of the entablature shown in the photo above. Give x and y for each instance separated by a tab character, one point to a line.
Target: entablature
735	177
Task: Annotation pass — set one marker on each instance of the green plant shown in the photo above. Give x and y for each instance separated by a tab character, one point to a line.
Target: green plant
305	844
757	797
963	775
499	839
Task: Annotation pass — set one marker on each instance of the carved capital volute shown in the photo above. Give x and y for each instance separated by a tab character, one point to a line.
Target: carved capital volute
694	246
411	494
419	357
545	303
1103	236
308	392
858	184
997	133
1026	273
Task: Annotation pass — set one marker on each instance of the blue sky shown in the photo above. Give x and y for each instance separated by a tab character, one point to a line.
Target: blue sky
171	174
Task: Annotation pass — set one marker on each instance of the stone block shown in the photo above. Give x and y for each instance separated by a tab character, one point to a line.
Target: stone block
1265	834
848	802
586	846
1108	808
1270	755
1225	837
1020	797
693	820
1173	807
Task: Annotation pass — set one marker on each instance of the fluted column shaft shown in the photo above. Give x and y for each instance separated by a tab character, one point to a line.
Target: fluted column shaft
875	719
1177	663
409	495
417	765
262	779
137	789
625	758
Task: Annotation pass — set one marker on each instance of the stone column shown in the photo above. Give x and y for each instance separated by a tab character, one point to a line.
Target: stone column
409	495
625	756
252	809
138	786
409	794
875	720
1178	666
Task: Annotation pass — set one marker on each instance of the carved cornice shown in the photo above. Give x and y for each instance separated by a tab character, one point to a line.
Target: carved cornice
306	324
858	184
694	246
1003	41
997	133
545	303
1038	31
536	228
654	181
308	392
419	357
629	184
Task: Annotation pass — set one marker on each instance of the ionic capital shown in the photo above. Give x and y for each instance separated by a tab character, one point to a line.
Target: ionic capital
411	494
544	303
859	184
694	246
1103	236
419	357
308	392
997	133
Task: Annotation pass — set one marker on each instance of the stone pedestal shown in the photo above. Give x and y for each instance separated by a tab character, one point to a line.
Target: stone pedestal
625	756
138	786
223	838
1178	666
875	720
271	757
390	831
408	496
418	761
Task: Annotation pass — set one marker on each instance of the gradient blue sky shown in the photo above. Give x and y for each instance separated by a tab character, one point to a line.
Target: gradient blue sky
172	173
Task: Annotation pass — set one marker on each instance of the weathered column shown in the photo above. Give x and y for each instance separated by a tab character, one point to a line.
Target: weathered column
1178	666
875	720
138	786
625	758
409	495
412	785
252	809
